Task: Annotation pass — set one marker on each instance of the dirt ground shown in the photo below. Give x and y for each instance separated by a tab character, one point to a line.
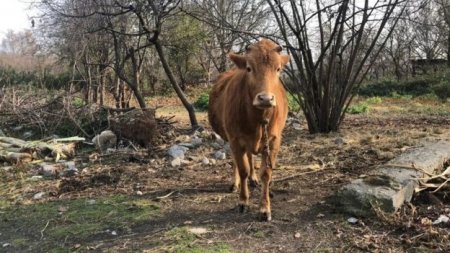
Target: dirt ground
190	208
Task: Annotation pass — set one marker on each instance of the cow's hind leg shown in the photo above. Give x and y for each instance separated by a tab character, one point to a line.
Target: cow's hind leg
236	179
241	160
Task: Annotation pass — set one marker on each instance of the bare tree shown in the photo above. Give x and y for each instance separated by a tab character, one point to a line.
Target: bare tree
232	23
349	36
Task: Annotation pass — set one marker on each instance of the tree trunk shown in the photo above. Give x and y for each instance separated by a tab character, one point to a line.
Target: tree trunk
175	85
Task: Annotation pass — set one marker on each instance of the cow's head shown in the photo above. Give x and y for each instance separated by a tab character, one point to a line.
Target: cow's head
263	63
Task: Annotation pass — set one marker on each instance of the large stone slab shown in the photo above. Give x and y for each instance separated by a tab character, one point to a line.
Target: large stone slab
390	185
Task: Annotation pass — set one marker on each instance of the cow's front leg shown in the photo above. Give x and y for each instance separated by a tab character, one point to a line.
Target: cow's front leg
254	179
241	160
266	178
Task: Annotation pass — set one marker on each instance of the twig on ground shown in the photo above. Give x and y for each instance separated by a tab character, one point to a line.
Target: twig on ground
42	231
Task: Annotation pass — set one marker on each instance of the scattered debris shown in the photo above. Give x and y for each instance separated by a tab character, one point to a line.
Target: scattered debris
198	230
442	219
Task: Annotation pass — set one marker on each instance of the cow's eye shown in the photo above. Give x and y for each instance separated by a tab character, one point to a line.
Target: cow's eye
249	69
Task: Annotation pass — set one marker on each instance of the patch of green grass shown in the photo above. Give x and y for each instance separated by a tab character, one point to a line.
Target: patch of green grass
400	96
70	221
78	102
183	241
358	108
259	234
374	100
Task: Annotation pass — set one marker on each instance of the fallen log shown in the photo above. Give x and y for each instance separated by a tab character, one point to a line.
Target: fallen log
13	150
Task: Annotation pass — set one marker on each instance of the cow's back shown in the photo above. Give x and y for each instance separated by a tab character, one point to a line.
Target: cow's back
217	103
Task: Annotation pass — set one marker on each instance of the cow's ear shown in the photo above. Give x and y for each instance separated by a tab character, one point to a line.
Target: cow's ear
284	59
239	60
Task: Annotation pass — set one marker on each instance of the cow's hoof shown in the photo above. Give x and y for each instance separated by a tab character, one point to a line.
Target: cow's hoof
243	208
265	216
233	188
253	183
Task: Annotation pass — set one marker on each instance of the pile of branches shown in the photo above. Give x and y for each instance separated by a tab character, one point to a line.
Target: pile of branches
44	115
435	183
17	151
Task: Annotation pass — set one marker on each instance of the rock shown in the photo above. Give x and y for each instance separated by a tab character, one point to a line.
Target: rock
215	145
139	193
105	140
296	126
212	161
339	141
186	145
50	170
390	185
219	155
227	148
113	232
175	162
297	235
352	220
205	161
5	245
69	172
2	134
38	195
177	151
442	219
197	141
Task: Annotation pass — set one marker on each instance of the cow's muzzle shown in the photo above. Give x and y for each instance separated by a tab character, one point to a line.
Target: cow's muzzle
264	100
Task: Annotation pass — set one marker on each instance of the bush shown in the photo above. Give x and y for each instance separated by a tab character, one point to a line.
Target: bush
202	102
358	109
442	90
292	102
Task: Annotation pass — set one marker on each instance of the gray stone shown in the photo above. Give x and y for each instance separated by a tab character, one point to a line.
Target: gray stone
177	151
339	141
186	145
176	162
38	195
205	161
36	178
390	185
2	134
227	148
352	220
219	155
105	140
196	141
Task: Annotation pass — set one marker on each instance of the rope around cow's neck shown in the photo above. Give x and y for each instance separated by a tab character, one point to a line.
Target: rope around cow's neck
266	149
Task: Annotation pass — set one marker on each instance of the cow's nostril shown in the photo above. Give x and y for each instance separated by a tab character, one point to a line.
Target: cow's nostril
272	98
261	97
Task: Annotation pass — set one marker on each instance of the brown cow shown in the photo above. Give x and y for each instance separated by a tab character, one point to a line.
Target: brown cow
243	102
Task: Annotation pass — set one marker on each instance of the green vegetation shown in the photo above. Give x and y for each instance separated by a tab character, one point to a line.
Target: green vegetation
183	241
293	105
437	83
358	108
70	221
202	102
374	100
